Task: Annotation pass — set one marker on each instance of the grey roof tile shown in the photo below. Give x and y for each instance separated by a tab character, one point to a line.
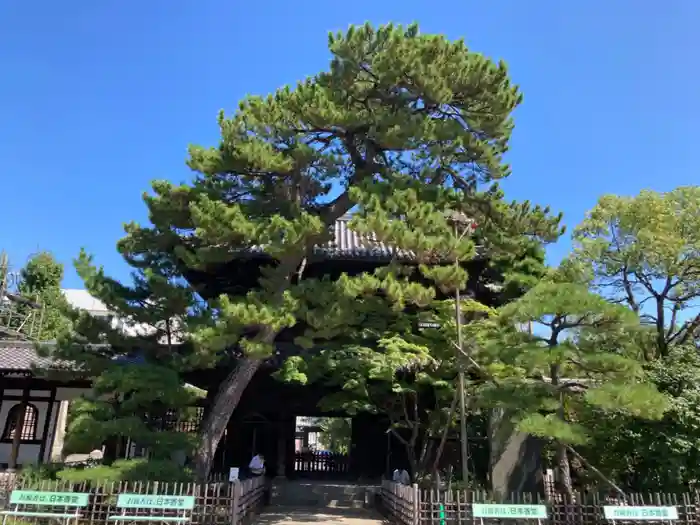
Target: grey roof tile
20	355
349	243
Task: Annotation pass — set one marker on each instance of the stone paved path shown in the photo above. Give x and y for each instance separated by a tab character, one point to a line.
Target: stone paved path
299	516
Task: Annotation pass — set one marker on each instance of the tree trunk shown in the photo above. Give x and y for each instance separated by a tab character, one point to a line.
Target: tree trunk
225	403
445	431
425	456
413	463
564	472
564	484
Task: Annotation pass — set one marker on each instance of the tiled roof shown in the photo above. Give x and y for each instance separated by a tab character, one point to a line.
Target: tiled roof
21	356
348	243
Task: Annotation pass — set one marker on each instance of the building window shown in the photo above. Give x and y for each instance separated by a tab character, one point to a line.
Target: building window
31	417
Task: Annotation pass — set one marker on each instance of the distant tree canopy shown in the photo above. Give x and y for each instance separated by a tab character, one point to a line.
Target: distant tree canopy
39	282
336	434
41	279
644	253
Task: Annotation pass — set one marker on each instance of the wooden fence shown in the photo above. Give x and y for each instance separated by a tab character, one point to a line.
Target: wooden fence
408	505
401	502
215	503
320	463
7	482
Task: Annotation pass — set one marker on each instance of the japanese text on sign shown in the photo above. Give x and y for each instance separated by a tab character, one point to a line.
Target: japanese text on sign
640	513
483	510
33	497
150	501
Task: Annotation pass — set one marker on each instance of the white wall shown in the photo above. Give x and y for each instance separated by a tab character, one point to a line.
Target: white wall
29	453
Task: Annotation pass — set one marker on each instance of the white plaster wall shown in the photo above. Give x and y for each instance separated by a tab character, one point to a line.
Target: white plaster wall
27	453
57	423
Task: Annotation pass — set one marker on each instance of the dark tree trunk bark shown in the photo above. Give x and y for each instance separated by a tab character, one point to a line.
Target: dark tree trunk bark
564	472
445	432
218	416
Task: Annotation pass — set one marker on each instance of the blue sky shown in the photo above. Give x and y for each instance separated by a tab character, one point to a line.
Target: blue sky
99	98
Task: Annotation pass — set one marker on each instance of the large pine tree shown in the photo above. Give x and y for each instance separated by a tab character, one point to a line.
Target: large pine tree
397	112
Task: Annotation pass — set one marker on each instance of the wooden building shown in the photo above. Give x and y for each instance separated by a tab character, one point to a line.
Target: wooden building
36	406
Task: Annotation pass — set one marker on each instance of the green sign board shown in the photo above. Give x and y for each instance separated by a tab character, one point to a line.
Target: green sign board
640	513
155	501
501	511
33	497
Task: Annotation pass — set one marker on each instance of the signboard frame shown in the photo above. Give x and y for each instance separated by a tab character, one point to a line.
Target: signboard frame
509	511
644	513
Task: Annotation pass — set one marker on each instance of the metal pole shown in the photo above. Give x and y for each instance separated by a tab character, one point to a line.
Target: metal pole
462	404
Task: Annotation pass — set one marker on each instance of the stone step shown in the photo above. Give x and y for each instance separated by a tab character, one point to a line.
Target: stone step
316	504
308	516
320	495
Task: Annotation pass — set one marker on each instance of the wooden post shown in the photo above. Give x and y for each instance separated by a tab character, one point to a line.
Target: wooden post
234	501
47	425
416	504
19	425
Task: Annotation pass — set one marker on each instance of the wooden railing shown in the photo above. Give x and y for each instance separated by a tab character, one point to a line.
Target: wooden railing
407	505
249	497
400	502
219	503
7	483
321	463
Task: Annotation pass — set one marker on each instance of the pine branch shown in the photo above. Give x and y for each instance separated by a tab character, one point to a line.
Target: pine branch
597	472
603	477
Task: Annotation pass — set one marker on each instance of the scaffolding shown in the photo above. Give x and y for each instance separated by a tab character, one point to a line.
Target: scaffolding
21	317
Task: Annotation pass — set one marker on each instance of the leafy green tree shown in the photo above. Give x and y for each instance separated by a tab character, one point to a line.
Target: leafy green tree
546	375
397	113
653	455
138	401
41	278
366	328
39	282
644	253
135	354
384	363
336	434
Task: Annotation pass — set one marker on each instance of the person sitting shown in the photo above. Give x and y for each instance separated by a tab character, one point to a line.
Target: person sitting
257	465
401	476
